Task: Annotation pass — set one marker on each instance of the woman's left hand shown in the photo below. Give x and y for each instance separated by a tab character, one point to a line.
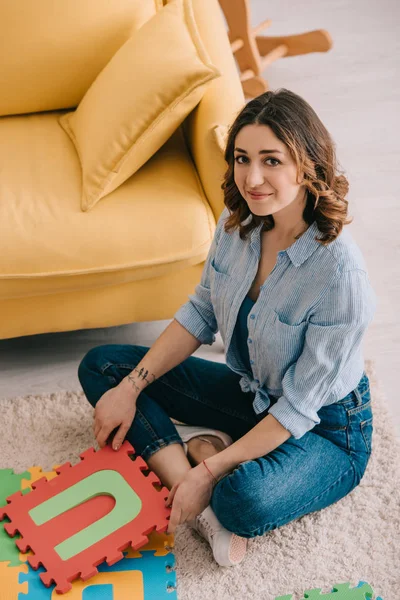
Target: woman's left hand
190	496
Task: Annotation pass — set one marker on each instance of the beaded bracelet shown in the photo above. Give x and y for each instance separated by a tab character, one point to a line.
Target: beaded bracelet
204	463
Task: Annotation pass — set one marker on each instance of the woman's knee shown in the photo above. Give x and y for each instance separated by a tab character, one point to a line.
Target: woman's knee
242	505
104	366
93	355
91	371
99	358
90	362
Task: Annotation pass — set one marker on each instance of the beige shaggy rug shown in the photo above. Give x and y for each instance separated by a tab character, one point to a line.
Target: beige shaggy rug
355	539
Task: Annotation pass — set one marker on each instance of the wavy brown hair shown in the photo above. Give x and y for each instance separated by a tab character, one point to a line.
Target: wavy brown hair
296	124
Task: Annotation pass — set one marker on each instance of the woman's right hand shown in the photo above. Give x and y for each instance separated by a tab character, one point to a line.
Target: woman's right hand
116	408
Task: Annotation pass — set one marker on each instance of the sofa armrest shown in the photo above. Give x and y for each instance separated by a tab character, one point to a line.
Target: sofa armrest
220	104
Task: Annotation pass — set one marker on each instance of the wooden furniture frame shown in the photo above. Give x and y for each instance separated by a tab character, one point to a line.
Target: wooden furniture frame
253	53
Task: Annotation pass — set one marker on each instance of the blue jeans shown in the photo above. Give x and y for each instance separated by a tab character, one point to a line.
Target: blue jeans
298	477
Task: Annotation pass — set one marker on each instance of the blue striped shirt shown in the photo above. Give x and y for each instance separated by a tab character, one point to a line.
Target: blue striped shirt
305	329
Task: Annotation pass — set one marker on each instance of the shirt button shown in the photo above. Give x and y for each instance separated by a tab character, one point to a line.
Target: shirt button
250	340
252	362
252	316
257	381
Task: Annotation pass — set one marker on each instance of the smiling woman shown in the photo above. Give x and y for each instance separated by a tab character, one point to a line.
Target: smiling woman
282	169
291	314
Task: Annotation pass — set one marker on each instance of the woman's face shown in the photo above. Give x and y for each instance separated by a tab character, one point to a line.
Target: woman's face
270	173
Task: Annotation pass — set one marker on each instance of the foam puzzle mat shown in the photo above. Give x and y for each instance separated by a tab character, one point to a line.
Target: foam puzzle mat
144	570
340	591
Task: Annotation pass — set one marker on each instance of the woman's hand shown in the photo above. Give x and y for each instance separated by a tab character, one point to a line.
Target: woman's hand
190	496
116	408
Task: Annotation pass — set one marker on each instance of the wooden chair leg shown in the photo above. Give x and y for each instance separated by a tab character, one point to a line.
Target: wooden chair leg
303	43
253	53
255	86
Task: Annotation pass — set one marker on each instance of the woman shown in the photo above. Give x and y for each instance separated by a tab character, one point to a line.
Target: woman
288	417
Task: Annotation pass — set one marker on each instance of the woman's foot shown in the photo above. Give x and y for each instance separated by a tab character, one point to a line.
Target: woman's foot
202	442
228	548
202	447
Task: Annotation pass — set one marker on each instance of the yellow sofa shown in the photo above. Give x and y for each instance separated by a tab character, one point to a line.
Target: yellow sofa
140	251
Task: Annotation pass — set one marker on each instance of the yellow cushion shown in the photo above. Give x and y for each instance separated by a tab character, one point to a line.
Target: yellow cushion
68	44
157	224
139	99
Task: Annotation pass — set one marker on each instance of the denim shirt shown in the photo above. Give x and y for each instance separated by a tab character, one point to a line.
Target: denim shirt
304	331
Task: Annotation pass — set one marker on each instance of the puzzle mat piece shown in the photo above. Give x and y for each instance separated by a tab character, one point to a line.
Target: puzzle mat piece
341	591
161	542
37	473
144	578
158	574
81	559
367	595
123	585
10	483
103	592
9	581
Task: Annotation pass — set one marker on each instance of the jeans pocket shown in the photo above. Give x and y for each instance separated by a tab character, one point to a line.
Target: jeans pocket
333	417
333	425
360	429
366	430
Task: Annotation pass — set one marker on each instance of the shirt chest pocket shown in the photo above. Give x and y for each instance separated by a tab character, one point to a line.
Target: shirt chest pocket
287	341
220	291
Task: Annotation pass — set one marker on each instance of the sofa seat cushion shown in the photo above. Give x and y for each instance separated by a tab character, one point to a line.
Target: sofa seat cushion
158	221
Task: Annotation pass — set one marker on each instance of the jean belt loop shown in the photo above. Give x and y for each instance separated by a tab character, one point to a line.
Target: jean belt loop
358	396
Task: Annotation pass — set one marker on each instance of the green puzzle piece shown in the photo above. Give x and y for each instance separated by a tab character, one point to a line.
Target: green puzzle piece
10	483
341	591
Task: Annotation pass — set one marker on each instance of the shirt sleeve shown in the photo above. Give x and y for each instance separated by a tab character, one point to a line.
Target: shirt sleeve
197	314
335	331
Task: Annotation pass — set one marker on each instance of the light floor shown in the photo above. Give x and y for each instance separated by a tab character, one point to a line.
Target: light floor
355	90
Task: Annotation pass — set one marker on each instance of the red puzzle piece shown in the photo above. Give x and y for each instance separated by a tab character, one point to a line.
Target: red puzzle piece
42	539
